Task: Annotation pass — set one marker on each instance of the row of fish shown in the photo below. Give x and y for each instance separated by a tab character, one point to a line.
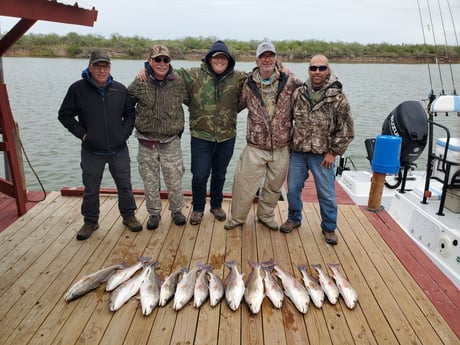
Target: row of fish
200	283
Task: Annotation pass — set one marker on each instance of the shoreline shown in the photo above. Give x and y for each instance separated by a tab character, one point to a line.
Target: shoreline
244	57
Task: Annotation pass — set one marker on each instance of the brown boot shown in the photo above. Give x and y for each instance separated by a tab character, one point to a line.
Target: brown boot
330	237
219	213
86	231
133	224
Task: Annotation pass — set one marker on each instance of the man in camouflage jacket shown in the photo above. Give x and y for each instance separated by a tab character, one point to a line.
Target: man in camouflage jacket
267	94
323	129
214	89
159	125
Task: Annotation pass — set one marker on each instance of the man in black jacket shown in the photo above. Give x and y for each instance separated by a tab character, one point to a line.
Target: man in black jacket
98	110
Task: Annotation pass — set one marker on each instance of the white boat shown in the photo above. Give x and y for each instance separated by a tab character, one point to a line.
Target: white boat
425	204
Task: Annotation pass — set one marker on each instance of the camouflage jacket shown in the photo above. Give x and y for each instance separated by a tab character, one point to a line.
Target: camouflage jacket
327	125
213	104
159	111
261	131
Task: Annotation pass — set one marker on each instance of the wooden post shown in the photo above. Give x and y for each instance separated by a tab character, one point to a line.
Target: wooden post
376	191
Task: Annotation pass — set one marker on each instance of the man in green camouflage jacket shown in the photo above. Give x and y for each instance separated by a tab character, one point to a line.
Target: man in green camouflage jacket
214	89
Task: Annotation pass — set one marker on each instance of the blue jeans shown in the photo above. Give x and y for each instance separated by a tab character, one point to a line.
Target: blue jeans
209	158
299	166
93	167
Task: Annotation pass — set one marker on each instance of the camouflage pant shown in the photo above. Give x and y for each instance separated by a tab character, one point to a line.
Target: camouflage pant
168	157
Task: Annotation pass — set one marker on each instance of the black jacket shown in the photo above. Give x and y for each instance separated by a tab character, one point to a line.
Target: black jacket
105	115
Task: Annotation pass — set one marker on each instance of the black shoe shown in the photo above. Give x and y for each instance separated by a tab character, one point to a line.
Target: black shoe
178	218
153	222
86	231
133	224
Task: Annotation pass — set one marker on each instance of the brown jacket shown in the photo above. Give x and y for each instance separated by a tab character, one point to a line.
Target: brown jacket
261	131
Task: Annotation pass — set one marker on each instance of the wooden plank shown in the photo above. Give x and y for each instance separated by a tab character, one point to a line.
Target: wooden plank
251	325
47	289
351	255
398	313
20	252
208	319
316	322
138	332
272	318
197	243
230	321
294	323
432	324
11	236
438	288
391	309
91	255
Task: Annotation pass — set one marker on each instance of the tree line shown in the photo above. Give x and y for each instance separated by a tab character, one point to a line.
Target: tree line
73	45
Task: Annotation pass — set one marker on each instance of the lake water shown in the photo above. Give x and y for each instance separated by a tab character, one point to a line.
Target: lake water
36	87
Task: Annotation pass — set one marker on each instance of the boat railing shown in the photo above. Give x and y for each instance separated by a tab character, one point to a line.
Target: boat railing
442	164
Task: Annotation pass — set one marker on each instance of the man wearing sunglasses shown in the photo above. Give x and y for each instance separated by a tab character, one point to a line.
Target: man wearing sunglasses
323	129
159	126
214	89
98	110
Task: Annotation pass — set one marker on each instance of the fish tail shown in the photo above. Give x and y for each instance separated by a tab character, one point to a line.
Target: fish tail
144	259
302	267
333	265
230	264
252	264
268	263
316	266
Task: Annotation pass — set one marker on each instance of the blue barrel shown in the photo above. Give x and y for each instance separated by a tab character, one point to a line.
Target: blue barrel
387	152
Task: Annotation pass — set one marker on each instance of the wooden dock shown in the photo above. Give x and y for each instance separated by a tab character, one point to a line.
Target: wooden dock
41	259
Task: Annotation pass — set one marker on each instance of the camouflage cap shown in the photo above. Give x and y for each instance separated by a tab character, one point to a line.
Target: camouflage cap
98	56
159	50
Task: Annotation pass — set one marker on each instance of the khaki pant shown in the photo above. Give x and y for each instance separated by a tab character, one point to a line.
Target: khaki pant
254	166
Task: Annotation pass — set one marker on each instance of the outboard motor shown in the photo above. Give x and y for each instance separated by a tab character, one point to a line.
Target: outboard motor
408	121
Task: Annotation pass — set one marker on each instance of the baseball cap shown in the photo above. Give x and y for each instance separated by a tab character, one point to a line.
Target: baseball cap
219	53
98	56
159	50
265	47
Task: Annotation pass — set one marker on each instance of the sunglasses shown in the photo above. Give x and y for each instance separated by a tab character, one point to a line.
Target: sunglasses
165	59
315	68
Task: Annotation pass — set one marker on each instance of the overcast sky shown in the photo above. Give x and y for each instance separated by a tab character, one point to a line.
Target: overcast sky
363	21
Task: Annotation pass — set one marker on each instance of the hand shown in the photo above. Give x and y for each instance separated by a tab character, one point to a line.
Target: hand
328	160
281	67
141	75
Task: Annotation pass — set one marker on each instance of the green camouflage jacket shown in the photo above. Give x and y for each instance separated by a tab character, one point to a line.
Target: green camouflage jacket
213	104
327	125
